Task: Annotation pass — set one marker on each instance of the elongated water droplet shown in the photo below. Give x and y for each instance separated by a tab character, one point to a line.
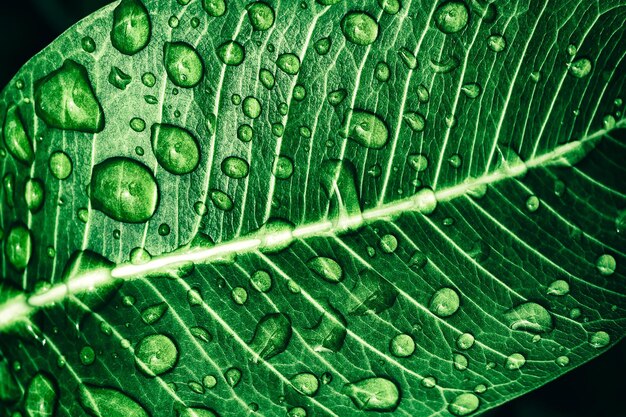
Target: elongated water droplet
415	120
326	268
558	288
429	382
445	65
367	129
232	376
235	167
183	64
18	246
451	16
156	354
16	138
132	27
445	302
460	362
374	394
471	90
410	61
109	402
124	190
175	148
336	97
41	396
530	317
464	404
359	28
65	99
271	336
221	200
152	314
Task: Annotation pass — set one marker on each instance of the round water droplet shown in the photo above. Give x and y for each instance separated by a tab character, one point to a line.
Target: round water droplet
261	281
261	15
388	243
460	362
305	383
124	189
581	67
374	394
239	295
429	382
451	16
326	268
251	107
235	167
382	72
515	361
532	203
289	63
214	8
88	44
231	53
416	121
496	43
464	404
137	124
221	200
445	302
465	341
164	229
299	92
60	165
530	317
599	339
183	65
267	78
175	148
131	27
283	167
156	354
367	129
87	355
562	361
359	28
152	314
296	412
471	90
606	265
148	79
34	194
232	376
558	288
335	98
390	6
209	381
322	46
18	246
245	133
402	346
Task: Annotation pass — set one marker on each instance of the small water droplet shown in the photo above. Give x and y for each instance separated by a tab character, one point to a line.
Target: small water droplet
515	361
451	16
231	53
214	8
471	90
465	341
464	404
233	376
402	345
261	15
152	314
322	46
496	43
581	67
416	121
429	382
558	288
183	64
445	302
289	63
388	243
599	339
305	383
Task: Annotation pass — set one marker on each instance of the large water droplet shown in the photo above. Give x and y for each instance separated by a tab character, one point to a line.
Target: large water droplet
252	107
367	129
261	15
451	16
445	302
65	99
326	268
359	28
109	402
156	354
581	67
515	361
465	341
402	345
271	336
183	64
558	288
464	404
599	339
530	317
235	167
231	53
124	190
606	265
175	148
232	376
214	8
41	396
374	394
18	246
16	138
131	27
289	63
305	383
416	121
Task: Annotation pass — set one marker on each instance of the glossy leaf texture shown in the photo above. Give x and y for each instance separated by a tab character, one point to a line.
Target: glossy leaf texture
314	208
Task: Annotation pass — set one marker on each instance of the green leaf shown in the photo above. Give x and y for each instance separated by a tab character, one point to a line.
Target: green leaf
317	208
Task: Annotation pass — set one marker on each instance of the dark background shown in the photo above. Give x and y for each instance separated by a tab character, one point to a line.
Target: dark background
593	390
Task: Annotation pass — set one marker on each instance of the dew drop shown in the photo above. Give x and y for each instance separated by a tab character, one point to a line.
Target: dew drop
445	302
289	63
606	265
231	53
599	339
261	15
175	148
465	341
156	354
235	167
283	167
322	46
390	6
558	288
530	317
214	8
409	59
88	44
87	355
532	203
496	43
16	138
402	345
183	65
464	404
382	72
233	376
581	67
460	362
271	336
118	78
305	383
326	268
359	28
251	107
429	382
336	97
367	129
562	361
18	246
388	243
451	17
373	394
34	194
152	314
471	90
416	121
221	200
515	361
423	95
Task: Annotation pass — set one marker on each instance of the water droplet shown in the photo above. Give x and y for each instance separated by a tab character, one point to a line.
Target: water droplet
289	63
156	354
373	394
581	67
151	99
326	268
322	46
201	334
609	122
410	61
336	97
464	404
152	314
283	167
329	333
214	8
261	15
327	378
65	99
221	200
119	79
232	53
429	382
196	411
232	376
422	94
445	302
88	44
599	339
359	28
496	43
87	355
124	189
235	167
402	345
471	90
535	76
299	92
532	203
451	16
261	280
271	336
267	78
18	246
388	243
173	22
382	72
148	79
558	288
41	396
367	129
465	341
60	165
606	265
515	361
175	148
251	107
562	361
305	383
298	411
390	6
460	362
16	138
183	65
620	222
131	27
445	65
416	121
371	294
239	295
530	317
34	194
109	402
